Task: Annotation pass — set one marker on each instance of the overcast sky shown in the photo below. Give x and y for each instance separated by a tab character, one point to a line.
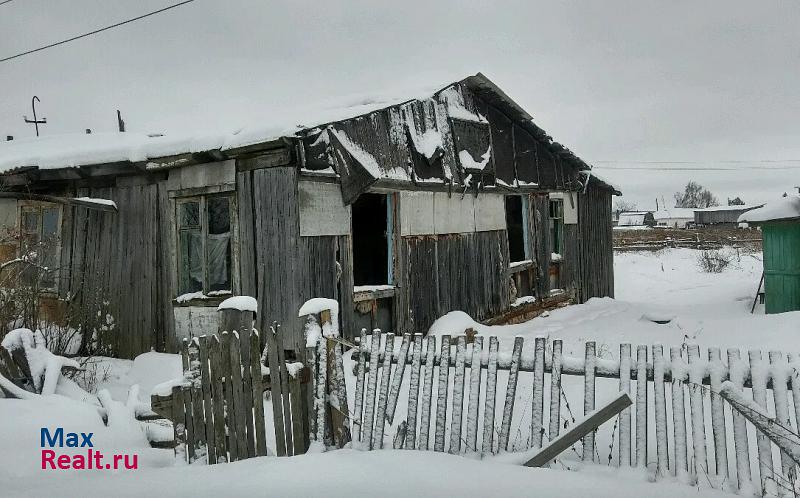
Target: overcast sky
622	84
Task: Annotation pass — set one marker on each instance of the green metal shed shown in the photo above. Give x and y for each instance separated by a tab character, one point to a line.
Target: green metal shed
780	229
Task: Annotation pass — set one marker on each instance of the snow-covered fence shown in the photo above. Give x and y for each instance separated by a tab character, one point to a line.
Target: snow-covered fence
218	409
405	398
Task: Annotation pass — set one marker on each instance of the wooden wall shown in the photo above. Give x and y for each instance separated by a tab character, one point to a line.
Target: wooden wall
123	257
442	273
595	258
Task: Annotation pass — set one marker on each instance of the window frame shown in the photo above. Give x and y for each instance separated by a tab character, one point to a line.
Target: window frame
525	216
556	225
39	207
202	199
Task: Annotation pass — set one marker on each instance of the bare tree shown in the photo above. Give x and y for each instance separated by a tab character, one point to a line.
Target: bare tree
736	201
695	196
622	206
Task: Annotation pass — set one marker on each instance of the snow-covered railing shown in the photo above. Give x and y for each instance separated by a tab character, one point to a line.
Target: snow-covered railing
460	409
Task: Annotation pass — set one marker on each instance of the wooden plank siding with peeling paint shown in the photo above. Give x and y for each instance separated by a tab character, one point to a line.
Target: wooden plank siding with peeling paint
400	214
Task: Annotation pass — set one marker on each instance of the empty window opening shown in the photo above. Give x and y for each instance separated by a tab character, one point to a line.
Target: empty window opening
371	240
556	225
516	209
205	260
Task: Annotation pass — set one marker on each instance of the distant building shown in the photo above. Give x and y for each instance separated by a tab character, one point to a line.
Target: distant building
720	215
674	217
632	219
780	230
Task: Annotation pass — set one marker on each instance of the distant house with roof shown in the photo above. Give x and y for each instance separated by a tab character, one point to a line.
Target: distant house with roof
674	217
779	222
721	215
635	219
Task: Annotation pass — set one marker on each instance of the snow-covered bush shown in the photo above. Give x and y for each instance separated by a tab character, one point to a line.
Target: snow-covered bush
714	260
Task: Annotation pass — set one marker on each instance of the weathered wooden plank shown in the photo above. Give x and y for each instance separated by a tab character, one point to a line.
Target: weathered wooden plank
780	393
641	405
491	397
588	397
189	417
697	412
257	394
413	393
659	391
624	423
179	424
284	389
474	394
205	377
369	403
247	389
275	391
537	399
358	403
218	399
397	379
758	377
678	412
458	396
230	398
238	396
299	413
717	375
427	394
579	430
198	420
383	395
441	393
555	390
511	391
343	430
736	369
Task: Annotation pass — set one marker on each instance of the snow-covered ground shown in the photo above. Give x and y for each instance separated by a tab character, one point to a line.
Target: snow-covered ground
710	309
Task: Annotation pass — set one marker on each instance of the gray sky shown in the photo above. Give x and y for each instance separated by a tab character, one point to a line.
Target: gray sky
633	81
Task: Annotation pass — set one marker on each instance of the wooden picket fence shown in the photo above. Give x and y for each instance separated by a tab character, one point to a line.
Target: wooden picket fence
467	393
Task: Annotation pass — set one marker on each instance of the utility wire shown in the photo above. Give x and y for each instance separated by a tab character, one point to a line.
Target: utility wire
4	2
84	35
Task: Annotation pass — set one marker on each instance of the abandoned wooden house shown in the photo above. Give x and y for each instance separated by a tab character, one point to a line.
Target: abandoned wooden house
402	211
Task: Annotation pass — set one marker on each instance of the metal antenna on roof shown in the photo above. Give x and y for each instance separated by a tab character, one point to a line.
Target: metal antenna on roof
120	122
35	121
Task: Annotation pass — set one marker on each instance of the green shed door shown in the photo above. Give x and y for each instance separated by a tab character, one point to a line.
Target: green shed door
781	266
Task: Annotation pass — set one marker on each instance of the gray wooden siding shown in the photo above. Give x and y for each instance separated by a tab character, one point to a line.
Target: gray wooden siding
595	248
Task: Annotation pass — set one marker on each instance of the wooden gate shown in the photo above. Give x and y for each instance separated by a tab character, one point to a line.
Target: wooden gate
218	408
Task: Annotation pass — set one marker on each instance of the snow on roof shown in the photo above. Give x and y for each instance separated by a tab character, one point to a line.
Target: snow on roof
631	219
785	208
727	208
80	149
592	174
671	213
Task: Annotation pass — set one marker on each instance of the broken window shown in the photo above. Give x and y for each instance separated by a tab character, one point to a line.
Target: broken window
204	244
516	228
556	225
372	252
40	243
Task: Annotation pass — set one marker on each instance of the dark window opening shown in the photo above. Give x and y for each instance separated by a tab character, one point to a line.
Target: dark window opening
556	225
370	240
515	228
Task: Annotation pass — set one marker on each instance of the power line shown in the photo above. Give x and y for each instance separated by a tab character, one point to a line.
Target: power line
687	168
84	35
5	2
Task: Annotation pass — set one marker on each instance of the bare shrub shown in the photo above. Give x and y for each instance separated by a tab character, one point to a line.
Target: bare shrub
714	260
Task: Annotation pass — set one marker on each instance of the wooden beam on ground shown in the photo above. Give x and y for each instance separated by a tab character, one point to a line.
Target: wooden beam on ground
572	436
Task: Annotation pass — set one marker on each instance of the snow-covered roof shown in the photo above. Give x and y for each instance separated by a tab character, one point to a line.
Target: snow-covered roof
727	208
674	213
785	208
631	219
80	149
